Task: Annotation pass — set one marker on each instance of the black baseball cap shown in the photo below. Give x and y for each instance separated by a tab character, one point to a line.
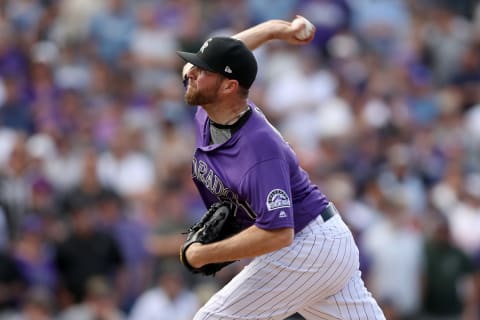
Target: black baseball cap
227	56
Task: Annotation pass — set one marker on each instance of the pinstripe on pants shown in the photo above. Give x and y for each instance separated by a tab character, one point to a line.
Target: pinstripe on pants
316	276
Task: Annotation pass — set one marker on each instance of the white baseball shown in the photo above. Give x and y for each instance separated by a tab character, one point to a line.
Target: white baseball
306	30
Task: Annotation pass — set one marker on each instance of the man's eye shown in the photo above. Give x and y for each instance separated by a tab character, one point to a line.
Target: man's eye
185	81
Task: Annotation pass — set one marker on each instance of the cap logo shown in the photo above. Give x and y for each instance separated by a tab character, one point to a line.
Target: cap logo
205	45
228	70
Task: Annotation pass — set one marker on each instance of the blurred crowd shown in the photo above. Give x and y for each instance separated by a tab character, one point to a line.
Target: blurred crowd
382	108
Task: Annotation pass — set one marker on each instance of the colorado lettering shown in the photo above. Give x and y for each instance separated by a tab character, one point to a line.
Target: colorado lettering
210	180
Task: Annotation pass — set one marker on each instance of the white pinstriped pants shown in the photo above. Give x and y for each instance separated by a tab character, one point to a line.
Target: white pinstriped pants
316	276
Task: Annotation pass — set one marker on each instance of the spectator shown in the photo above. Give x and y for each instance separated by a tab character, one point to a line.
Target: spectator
171	153
11	283
99	88
14	111
99	303
44	91
111	31
13	60
329	17
170	298
125	169
170	221
73	19
72	72
464	218
399	176
34	256
24	16
446	35
393	246
130	233
448	278
66	160
384	26
38	304
153	49
103	252
89	186
16	185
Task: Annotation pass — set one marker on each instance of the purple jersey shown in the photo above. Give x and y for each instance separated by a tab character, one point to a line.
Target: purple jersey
257	169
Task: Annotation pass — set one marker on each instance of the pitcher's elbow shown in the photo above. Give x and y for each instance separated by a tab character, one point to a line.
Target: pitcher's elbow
285	237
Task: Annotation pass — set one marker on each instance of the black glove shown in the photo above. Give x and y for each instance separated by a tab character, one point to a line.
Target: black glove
216	224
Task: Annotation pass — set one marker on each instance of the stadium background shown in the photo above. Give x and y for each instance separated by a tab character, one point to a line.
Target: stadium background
383	109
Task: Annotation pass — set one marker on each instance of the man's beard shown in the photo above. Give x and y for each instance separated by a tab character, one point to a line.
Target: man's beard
199	98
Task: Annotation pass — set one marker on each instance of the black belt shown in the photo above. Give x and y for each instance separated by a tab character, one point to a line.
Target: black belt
328	212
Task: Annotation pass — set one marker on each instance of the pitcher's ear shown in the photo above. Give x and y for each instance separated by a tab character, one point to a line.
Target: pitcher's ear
230	84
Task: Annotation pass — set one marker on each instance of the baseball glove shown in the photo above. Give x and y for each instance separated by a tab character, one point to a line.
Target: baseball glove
216	224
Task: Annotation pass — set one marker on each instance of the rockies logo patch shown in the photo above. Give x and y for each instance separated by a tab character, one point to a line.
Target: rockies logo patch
277	198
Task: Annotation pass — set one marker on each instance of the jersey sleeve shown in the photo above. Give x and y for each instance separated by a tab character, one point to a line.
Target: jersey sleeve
267	188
